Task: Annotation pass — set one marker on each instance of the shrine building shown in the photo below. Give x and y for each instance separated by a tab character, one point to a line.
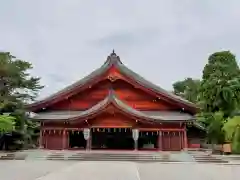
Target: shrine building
116	108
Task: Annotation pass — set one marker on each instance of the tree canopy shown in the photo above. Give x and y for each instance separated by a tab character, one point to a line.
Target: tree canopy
6	123
218	95
220	85
214	130
17	88
236	141
187	89
230	127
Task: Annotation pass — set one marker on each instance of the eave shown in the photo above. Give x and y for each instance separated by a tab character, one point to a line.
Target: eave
112	100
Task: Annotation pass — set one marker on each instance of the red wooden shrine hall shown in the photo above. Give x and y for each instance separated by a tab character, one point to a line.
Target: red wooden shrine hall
112	103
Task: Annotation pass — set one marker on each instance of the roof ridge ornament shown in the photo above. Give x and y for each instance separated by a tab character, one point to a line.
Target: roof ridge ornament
113	53
113	58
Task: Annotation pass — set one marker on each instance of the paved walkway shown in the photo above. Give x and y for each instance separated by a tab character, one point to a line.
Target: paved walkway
67	170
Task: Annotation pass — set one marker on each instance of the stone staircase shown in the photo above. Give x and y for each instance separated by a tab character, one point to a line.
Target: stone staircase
110	156
185	156
203	157
54	156
8	156
142	157
233	159
13	156
92	156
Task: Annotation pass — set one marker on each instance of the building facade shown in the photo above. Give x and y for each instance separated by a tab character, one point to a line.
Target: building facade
115	108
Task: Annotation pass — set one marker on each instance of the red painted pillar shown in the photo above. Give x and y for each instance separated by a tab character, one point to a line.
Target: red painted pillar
169	141
64	135
180	140
185	138
41	139
41	135
182	134
160	140
90	141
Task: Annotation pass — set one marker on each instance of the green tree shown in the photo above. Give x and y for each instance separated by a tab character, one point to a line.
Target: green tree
220	85
6	123
215	131
16	84
204	118
230	127
188	89
17	88
236	141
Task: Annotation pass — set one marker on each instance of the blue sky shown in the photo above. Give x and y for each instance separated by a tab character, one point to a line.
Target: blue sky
164	41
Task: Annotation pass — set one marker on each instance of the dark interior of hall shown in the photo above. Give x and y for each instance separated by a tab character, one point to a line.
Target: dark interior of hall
76	140
148	140
112	138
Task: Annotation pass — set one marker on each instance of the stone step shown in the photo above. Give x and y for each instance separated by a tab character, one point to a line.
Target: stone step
128	160
233	158
121	157
115	156
9	156
13	157
200	159
203	157
108	157
90	156
112	159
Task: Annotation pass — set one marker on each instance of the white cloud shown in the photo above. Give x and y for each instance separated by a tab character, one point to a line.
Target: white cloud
66	40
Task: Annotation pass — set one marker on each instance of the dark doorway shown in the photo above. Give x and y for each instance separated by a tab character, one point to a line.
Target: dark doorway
76	140
148	140
112	138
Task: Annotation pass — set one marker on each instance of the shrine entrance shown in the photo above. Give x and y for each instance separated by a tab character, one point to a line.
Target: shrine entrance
76	140
148	140
112	138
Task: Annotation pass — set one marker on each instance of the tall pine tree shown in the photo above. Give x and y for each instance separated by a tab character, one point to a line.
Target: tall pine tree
17	88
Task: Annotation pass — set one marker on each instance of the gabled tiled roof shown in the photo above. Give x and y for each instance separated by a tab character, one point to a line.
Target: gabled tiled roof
159	116
113	59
